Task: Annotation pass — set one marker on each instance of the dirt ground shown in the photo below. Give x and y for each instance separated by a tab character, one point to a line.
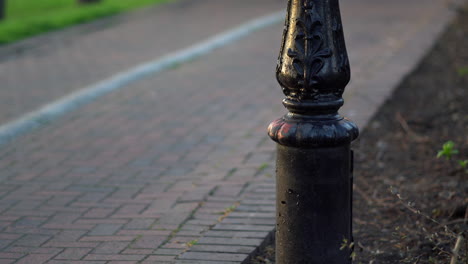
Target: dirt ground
409	205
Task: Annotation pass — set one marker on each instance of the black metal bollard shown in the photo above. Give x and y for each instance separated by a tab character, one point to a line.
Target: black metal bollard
314	164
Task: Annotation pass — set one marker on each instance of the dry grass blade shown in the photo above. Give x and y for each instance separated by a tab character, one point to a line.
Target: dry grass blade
404	125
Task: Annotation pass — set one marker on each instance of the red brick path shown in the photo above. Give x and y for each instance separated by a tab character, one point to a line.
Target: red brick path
175	168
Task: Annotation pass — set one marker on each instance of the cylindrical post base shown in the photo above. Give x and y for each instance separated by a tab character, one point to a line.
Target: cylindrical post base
314	205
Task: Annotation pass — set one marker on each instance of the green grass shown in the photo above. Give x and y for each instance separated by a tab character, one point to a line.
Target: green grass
463	71
25	18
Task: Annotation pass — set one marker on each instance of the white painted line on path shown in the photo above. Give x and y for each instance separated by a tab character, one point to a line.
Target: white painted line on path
66	104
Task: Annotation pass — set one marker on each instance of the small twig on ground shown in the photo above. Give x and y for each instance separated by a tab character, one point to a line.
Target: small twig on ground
456	249
365	223
404	125
371	200
454	222
455	252
458	243
409	206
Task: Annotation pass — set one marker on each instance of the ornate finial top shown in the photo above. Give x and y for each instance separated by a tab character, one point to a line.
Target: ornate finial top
313	70
313	67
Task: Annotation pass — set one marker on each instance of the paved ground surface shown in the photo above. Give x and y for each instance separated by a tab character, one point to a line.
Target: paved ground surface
176	167
54	66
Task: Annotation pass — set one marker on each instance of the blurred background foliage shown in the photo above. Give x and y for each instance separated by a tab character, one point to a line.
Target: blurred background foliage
25	18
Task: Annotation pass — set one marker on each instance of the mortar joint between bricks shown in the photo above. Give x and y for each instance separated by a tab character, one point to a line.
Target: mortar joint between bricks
174	232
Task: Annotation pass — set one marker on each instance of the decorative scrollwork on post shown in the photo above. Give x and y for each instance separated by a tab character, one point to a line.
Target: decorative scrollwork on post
313	67
309	52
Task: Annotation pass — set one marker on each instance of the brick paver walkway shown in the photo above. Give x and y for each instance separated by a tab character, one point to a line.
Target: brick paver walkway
175	168
37	72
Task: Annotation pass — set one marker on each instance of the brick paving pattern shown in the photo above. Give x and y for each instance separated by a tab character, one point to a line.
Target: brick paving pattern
175	168
53	67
